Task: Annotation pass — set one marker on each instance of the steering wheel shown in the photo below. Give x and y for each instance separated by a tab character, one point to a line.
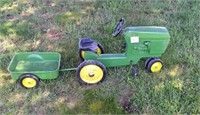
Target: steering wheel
118	27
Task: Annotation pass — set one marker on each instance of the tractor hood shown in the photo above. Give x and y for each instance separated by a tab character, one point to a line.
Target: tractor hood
147	32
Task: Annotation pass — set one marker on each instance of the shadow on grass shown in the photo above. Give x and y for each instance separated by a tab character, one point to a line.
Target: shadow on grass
172	95
58	99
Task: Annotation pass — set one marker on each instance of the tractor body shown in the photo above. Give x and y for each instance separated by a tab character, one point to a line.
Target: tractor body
141	41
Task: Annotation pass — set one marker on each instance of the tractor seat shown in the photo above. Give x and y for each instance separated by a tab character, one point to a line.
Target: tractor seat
88	44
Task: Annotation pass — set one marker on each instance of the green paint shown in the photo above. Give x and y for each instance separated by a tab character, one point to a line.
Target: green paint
44	65
141	41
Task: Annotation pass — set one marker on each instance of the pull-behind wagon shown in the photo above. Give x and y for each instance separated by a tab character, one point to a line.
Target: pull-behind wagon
141	41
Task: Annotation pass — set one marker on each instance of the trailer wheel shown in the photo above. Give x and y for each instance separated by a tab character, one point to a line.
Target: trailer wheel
147	61
29	81
155	65
91	72
100	50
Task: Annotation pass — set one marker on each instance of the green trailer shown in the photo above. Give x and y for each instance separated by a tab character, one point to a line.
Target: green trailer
31	67
141	42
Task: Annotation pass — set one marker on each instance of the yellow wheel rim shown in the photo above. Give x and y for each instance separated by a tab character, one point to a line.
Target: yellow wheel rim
29	82
99	51
91	74
156	67
83	52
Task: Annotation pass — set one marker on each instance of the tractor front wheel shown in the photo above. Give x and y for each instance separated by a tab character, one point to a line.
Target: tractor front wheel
91	72
155	65
147	61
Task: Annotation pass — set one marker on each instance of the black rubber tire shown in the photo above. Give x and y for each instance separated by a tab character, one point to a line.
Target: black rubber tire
152	62
28	75
90	62
99	46
147	61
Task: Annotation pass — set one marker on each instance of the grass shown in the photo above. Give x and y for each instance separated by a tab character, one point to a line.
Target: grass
175	90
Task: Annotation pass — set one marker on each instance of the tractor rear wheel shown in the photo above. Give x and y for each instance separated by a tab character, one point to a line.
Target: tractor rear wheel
100	50
91	72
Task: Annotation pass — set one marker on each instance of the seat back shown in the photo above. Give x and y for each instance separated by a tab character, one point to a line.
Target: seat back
88	44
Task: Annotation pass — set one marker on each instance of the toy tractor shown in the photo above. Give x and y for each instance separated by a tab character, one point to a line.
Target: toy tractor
142	41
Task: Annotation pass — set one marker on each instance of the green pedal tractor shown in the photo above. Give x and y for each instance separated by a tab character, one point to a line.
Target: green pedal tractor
141	42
